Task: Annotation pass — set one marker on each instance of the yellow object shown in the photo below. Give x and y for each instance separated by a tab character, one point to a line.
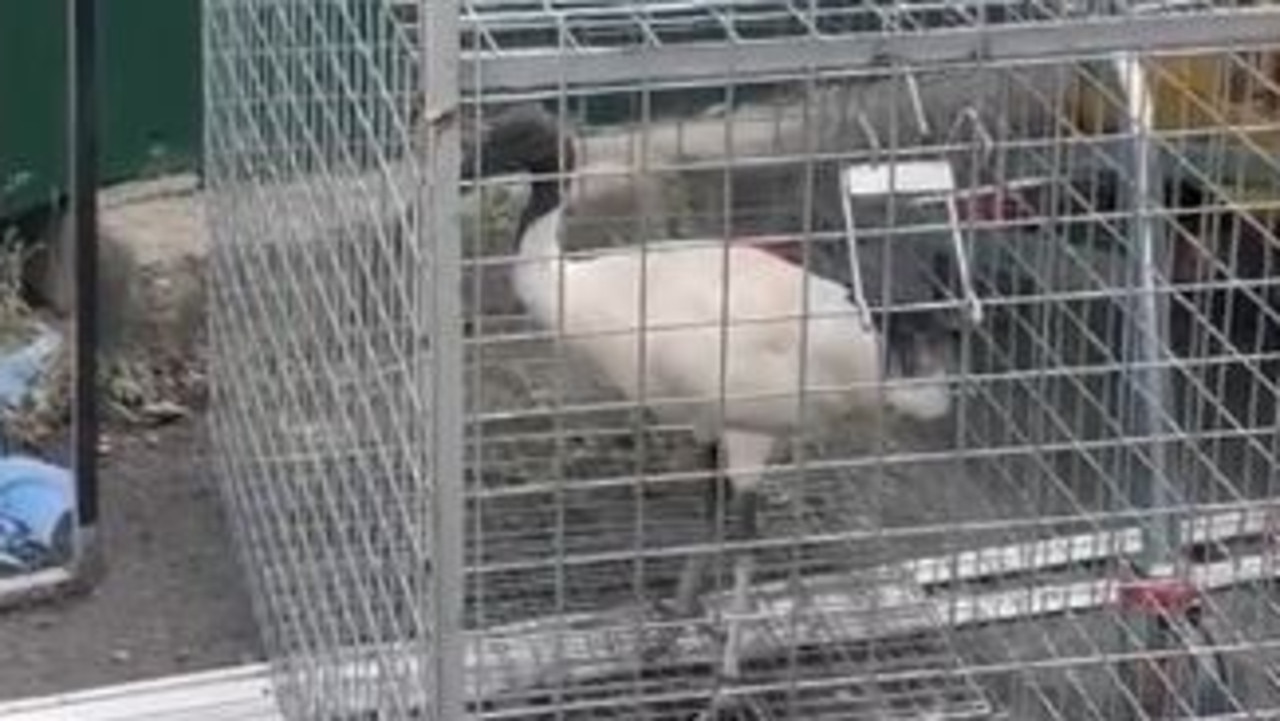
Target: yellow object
1231	98
1231	92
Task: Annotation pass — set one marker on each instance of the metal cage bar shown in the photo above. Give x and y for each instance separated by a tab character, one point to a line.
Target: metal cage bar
699	62
446	401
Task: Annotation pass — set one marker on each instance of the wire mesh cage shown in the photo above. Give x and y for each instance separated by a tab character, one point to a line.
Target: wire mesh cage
514	415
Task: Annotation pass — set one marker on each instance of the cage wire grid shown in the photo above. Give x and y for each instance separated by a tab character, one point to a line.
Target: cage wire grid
1113	419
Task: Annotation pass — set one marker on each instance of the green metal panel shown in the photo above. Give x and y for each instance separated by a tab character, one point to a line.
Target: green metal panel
149	107
32	89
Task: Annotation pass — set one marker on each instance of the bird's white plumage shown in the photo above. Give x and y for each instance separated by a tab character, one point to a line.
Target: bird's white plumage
718	323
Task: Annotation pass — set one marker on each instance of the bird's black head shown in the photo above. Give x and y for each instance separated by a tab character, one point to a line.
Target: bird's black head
522	138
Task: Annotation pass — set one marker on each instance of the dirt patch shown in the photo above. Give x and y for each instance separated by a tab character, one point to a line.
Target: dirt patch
172	600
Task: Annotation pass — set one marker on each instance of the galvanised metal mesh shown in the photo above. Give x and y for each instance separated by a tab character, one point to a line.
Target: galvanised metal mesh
321	381
1086	535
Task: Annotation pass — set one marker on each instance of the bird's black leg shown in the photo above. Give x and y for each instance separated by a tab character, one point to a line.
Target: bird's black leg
689	590
695	569
746	505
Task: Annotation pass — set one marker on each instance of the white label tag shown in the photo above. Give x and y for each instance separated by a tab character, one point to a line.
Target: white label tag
910	177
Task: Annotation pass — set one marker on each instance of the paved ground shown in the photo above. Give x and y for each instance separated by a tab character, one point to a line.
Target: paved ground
173	600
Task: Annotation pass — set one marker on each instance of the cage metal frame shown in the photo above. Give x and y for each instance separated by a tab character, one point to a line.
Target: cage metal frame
447	70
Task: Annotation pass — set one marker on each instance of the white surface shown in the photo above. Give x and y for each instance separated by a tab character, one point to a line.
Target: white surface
912	177
236	694
245	693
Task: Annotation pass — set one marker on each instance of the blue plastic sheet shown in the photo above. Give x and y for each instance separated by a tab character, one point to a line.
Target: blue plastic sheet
37	514
37	498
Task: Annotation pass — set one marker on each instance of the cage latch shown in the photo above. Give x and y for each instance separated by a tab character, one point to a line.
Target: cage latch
908	178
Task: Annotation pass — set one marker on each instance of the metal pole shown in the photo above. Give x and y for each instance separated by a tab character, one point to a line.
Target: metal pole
439	243
1152	488
82	153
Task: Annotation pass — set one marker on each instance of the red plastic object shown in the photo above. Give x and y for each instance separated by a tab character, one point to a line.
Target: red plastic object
994	205
1164	597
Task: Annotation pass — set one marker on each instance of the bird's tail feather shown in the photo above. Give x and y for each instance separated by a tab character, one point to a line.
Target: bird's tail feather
925	398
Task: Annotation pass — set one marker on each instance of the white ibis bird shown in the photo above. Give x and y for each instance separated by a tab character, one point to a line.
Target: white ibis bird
722	338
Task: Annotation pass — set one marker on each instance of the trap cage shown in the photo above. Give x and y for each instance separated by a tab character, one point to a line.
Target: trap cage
445	515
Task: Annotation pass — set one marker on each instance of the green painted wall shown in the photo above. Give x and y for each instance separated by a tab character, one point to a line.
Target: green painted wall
149	106
32	47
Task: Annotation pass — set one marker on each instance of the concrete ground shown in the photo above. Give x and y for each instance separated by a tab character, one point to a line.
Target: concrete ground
172	600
